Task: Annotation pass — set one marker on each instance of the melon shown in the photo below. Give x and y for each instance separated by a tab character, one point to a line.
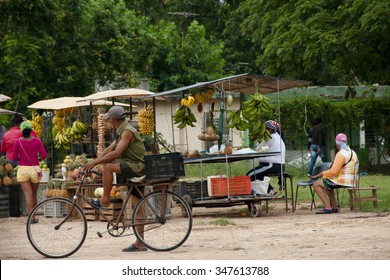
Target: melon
98	192
229	100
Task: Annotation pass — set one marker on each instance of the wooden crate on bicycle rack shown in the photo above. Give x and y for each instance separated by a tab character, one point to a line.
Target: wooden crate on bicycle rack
115	208
90	213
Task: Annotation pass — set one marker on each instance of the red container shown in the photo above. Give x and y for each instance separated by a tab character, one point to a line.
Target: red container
239	185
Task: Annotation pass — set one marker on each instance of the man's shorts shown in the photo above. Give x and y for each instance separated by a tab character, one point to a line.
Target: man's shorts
127	173
28	173
330	185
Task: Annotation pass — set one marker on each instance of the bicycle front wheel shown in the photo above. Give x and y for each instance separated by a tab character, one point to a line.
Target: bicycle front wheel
50	233
162	231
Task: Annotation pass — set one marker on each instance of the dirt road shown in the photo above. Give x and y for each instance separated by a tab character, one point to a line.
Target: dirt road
277	236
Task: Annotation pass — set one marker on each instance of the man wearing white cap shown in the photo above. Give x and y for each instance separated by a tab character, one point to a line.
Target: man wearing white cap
125	157
342	174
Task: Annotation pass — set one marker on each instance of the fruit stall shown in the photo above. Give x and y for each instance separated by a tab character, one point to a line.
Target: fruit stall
211	99
11	196
69	123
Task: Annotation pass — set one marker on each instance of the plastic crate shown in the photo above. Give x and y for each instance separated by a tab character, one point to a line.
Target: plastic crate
55	209
240	185
4	205
196	189
164	166
14	194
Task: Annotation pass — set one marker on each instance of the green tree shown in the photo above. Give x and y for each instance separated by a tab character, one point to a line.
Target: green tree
177	59
42	55
327	42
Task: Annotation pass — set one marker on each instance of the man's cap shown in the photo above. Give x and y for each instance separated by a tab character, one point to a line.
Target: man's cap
115	112
341	137
24	125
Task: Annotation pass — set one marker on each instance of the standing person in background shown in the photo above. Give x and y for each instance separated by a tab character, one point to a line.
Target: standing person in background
271	164
29	150
316	144
9	138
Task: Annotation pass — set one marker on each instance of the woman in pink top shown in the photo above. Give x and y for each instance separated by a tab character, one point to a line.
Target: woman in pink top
12	135
342	174
28	150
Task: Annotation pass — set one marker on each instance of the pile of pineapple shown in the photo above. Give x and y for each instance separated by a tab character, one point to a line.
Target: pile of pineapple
56	188
7	173
72	164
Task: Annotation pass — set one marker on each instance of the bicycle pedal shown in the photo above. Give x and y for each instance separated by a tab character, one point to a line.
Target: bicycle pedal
99	234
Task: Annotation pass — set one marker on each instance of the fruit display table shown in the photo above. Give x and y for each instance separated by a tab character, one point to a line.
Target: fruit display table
226	195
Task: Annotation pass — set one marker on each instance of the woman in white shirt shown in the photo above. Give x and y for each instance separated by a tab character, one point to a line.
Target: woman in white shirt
272	164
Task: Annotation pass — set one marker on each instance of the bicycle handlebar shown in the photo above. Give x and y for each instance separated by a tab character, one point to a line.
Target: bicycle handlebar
83	173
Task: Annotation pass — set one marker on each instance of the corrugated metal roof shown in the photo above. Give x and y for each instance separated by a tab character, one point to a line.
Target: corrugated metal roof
244	83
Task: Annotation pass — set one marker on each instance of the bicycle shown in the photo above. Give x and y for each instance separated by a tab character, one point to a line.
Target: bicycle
62	232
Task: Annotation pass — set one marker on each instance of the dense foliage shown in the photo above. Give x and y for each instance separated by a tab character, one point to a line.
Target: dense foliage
52	48
328	42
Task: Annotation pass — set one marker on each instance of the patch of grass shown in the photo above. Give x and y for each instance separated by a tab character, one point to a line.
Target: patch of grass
240	168
222	221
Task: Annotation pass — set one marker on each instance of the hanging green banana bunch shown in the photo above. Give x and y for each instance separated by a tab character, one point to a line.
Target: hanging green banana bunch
183	117
235	120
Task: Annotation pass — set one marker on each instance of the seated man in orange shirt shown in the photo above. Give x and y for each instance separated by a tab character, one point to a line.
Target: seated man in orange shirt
342	174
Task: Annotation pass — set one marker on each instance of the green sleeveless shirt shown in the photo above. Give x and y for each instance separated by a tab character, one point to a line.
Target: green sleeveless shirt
135	152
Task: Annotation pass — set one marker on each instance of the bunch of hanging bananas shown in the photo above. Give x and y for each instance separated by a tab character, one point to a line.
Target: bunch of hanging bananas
146	120
71	110
79	130
255	106
203	97
252	111
188	101
234	120
58	121
36	123
63	138
184	116
259	132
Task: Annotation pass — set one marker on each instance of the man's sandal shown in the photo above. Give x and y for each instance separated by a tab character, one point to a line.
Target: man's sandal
96	204
325	211
132	248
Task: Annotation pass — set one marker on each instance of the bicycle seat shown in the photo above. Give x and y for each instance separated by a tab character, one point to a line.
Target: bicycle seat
138	179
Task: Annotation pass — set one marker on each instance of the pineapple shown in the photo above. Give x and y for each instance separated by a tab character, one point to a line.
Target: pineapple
63	192
48	191
2	171
8	167
7	181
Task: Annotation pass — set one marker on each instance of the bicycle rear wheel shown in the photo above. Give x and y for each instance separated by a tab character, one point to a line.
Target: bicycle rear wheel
162	232
48	231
